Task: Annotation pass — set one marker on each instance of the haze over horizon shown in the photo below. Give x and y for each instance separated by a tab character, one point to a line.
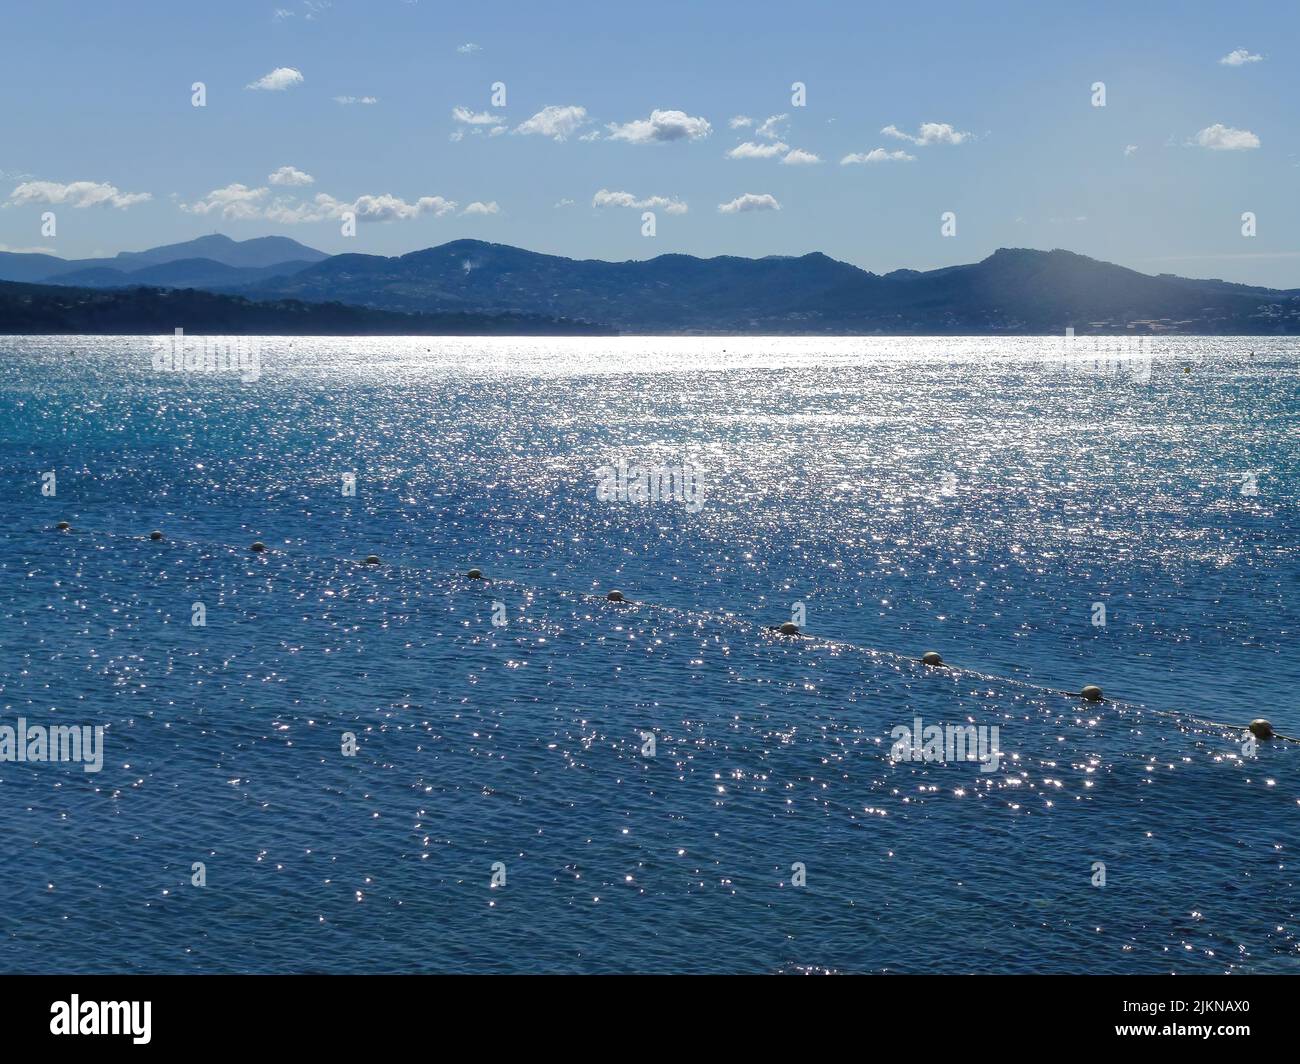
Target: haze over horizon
387	111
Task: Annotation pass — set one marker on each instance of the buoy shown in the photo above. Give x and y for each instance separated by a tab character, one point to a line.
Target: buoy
258	547
932	658
1092	693
372	559
155	535
1261	729
474	574
789	628
614	596
63	526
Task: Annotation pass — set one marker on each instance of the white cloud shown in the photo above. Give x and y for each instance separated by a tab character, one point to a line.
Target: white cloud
278	80
770	129
930	133
356	99
76	194
1240	57
741	122
799	157
878	155
235	201
240	203
1219	137
290	175
1129	149
388	207
311	8
660	127
482	208
474	118
750	201
751	150
558	123
468	49
566	202
27	251
606	198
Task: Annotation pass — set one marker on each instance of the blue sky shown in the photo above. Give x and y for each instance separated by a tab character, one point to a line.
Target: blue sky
984	110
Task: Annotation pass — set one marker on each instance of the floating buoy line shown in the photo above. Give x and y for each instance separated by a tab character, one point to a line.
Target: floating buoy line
1260	728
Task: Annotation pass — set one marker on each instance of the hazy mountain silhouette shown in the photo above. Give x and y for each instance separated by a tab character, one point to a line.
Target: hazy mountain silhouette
183	273
1014	290
259	253
1011	291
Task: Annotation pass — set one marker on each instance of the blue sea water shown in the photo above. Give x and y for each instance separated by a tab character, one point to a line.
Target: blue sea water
972	496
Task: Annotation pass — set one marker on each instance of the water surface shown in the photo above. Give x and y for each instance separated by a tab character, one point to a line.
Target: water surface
972	496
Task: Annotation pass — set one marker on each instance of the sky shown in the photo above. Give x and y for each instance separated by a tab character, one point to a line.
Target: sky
384	110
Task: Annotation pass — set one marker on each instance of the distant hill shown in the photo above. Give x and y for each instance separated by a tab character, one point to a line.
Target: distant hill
257	252
182	273
64	310
260	253
1012	291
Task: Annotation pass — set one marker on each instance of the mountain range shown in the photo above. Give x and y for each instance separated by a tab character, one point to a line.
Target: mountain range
1012	291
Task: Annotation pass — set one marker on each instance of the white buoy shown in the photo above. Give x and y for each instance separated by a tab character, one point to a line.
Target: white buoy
1092	693
932	658
1261	729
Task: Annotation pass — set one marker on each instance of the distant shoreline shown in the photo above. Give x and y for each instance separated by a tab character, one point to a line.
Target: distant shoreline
473	288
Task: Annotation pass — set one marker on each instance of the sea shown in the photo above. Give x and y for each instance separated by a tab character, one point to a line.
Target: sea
311	763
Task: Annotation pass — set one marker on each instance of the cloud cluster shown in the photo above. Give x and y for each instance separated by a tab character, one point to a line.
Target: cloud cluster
76	194
606	198
238	202
789	156
1219	137
1240	57
558	123
356	99
290	175
661	127
752	150
750	201
278	80
878	155
929	133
